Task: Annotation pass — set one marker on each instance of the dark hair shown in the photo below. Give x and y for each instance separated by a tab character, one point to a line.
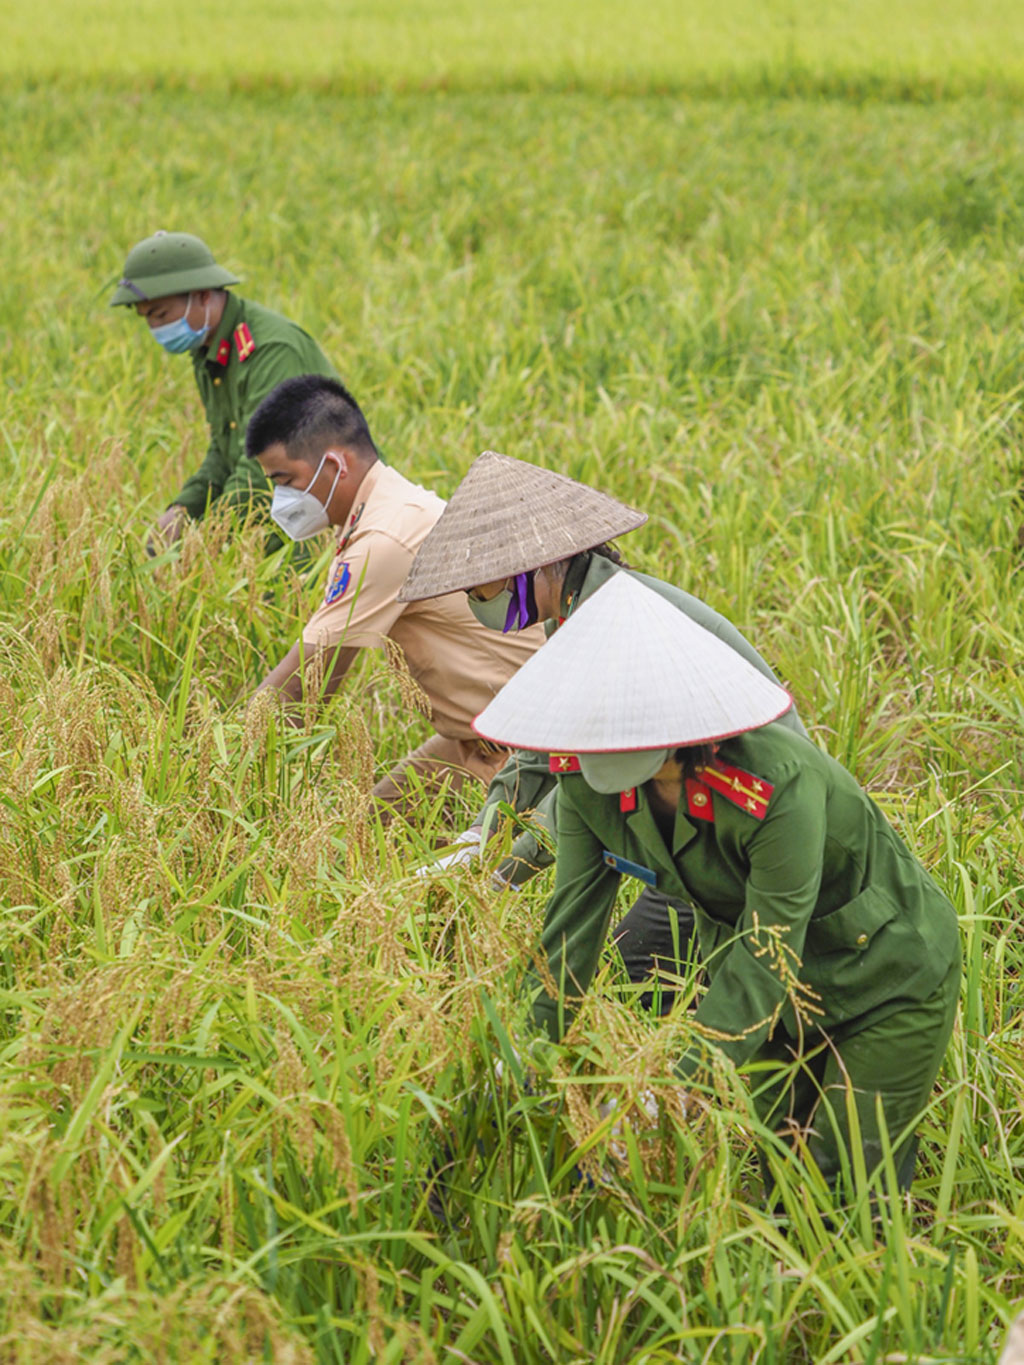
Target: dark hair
607	551
304	411
694	756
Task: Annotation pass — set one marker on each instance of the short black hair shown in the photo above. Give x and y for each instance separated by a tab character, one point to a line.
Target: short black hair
692	757
301	412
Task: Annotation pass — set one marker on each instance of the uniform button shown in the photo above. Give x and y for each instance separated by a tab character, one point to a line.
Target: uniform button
216	382
861	940
700	799
233	425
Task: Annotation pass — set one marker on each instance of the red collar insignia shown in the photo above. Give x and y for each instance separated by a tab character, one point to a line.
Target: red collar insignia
223	352
699	805
563	763
353	522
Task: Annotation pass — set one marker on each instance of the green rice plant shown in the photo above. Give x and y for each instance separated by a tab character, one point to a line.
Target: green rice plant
737	49
249	1107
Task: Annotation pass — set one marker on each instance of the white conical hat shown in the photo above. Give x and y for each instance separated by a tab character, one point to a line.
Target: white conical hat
506	517
628	670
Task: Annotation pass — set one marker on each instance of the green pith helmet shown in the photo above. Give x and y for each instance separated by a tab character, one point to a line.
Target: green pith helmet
169	263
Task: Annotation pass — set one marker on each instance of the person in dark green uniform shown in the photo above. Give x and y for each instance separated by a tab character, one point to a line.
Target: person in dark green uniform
240	352
824	940
514	527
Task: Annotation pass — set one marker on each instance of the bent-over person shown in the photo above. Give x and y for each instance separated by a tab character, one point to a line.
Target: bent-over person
528	544
313	443
239	351
825	941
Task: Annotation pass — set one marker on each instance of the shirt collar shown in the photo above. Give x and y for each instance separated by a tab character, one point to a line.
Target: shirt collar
368	483
585	575
365	491
646	828
230	319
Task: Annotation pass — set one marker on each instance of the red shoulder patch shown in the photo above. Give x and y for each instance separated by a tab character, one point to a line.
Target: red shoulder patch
244	343
742	789
563	763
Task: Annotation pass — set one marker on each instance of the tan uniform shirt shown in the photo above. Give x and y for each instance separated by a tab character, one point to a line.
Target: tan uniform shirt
459	663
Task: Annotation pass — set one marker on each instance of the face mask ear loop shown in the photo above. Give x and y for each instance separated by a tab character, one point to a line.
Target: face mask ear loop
316	475
337	476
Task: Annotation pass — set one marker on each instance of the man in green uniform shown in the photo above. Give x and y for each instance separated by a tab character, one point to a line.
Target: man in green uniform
510	522
824	940
240	352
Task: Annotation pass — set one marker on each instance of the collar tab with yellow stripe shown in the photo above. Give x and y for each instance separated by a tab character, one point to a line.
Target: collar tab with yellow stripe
742	789
244	343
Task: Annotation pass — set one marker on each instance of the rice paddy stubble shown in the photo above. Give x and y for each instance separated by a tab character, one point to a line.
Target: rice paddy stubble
235	1030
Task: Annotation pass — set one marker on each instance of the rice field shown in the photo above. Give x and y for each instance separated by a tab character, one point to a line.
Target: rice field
756	272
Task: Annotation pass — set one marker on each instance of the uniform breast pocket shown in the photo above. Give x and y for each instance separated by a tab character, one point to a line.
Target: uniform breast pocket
853	925
855	957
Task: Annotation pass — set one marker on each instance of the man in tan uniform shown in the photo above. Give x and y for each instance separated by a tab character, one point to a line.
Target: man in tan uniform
314	444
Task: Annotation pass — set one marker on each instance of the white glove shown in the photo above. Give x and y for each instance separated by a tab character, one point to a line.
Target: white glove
500	883
499	1065
467	846
645	1101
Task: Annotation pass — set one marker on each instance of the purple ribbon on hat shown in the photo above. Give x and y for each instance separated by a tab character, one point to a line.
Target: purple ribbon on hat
518	609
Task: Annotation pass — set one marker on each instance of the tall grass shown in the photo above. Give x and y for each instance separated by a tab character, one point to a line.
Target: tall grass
918	49
249	1107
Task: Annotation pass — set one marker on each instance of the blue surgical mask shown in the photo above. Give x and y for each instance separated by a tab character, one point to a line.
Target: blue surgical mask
177	336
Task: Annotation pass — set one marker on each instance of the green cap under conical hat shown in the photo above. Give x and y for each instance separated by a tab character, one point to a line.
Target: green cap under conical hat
506	517
169	263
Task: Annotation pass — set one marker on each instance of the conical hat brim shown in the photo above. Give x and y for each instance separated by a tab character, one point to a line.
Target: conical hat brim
506	517
628	670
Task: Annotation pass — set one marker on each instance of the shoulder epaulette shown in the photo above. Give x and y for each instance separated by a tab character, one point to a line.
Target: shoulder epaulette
244	343
563	763
742	789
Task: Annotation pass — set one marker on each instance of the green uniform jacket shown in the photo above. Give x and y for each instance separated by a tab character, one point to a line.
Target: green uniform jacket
232	381
863	923
525	782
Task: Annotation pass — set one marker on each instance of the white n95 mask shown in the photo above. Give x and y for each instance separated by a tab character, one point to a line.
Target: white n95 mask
300	513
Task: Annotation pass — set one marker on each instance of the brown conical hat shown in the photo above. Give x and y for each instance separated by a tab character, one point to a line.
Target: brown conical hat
507	516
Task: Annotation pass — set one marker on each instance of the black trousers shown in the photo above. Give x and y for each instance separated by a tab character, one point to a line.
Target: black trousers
654	941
